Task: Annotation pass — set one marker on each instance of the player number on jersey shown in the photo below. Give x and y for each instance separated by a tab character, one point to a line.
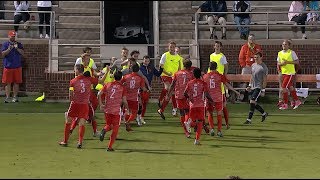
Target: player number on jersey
195	91
132	84
83	89
112	93
212	84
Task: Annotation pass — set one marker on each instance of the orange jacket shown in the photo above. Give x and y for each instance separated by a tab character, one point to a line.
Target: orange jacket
246	54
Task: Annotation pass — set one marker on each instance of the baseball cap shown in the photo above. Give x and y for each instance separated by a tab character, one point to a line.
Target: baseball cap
11	33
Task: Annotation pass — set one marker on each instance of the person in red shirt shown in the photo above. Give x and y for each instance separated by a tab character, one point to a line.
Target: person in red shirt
133	82
79	95
114	94
213	80
179	83
195	92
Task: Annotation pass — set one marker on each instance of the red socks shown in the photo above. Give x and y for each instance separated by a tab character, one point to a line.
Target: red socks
226	115
66	132
219	117
210	120
199	130
163	94
81	133
113	136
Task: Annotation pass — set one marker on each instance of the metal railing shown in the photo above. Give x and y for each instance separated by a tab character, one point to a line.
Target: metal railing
101	57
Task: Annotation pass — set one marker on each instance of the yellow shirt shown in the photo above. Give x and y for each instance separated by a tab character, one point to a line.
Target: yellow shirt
288	69
172	63
220	67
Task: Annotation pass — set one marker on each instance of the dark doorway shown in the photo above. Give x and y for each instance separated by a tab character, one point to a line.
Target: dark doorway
128	22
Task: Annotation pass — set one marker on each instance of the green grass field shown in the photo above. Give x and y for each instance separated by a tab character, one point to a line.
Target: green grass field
286	145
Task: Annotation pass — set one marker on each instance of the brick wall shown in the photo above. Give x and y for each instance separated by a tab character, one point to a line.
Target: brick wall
36	79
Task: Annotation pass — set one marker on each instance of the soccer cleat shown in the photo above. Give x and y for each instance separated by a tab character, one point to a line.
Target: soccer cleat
102	134
161	114
212	132
292	104
64	144
187	135
14	99
280	103
206	128
128	127
283	107
142	121
138	119
110	149
174	112
219	134
263	117
196	142
96	134
6	100
297	104
247	122
187	124
79	145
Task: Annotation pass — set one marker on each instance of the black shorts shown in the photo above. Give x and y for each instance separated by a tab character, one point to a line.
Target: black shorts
255	93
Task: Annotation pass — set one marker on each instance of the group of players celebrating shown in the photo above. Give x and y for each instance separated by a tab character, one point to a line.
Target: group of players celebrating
125	88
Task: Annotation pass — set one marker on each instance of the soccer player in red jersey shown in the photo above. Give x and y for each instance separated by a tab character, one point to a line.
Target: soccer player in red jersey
114	94
214	80
179	83
195	92
133	82
78	108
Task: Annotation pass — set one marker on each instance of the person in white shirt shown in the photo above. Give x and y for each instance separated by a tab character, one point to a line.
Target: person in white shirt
18	16
44	17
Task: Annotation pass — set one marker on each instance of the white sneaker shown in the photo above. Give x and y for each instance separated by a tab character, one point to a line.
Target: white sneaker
174	111
304	36
142	121
41	36
187	124
15	99
138	119
47	36
196	142
96	134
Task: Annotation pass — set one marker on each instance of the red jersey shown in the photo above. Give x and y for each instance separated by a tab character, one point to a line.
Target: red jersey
181	77
81	86
195	90
214	80
133	82
113	92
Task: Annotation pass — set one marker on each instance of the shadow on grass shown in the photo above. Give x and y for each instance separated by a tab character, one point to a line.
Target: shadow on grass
158	151
289	123
248	147
270	130
160	132
257	140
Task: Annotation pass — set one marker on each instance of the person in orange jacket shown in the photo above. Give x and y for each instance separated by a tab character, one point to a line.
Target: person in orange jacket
246	59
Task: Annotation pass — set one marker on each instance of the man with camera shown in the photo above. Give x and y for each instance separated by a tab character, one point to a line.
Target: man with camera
12	52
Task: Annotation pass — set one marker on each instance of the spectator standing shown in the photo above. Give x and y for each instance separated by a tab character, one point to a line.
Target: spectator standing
12	53
297	16
246	58
24	16
242	18
216	17
2	8
44	17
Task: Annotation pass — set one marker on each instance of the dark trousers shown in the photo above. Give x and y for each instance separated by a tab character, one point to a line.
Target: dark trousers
1	8
24	16
44	17
301	20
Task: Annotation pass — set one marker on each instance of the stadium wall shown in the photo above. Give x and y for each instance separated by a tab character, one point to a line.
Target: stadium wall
55	85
